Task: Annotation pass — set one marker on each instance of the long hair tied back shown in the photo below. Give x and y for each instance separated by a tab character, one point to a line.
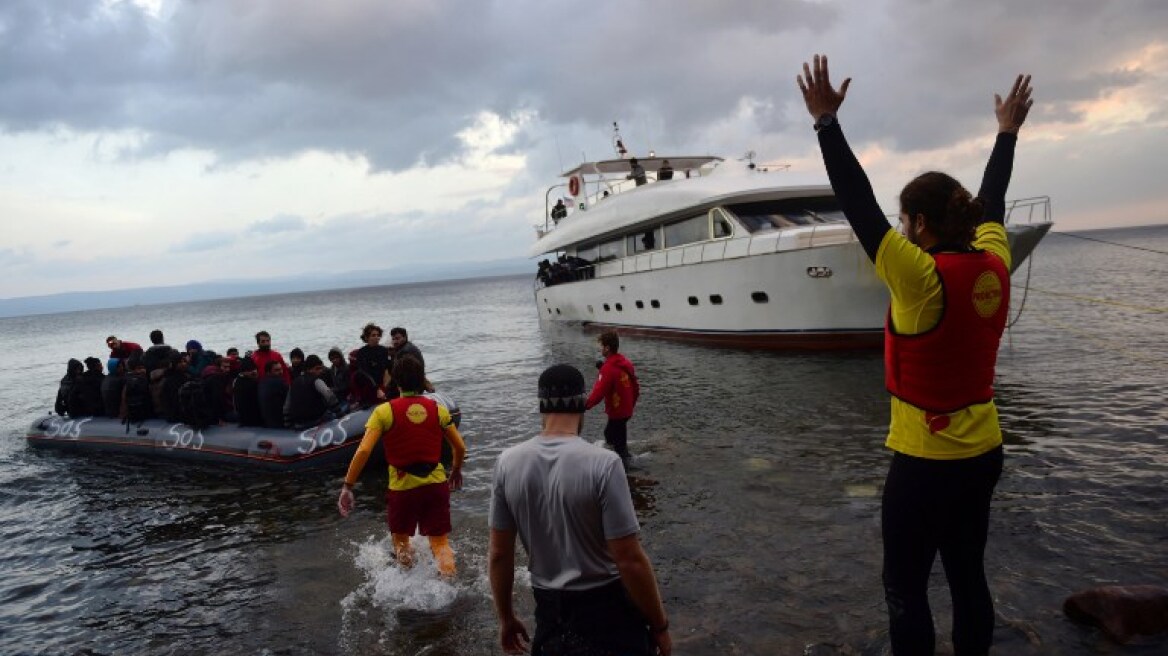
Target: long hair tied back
951	213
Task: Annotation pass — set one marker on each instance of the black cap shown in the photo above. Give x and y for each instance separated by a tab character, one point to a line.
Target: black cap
561	389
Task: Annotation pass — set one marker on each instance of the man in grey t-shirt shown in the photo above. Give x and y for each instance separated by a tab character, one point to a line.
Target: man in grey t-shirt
569	503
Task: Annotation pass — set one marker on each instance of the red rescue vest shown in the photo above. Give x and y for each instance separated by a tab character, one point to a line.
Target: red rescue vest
951	365
416	434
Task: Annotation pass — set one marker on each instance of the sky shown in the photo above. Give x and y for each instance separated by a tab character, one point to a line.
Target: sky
157	142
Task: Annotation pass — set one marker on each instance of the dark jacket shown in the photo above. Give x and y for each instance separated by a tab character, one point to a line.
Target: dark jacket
111	394
171	382
85	397
73	372
156	356
272	393
246	397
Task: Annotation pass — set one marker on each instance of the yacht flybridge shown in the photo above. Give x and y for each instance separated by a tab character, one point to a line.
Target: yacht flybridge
728	252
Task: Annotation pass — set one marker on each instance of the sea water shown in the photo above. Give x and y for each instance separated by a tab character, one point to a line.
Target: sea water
757	480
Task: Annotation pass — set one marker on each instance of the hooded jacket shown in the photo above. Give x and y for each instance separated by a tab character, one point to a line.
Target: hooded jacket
617	385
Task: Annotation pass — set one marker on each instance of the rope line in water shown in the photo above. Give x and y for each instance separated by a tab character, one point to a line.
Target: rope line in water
1102	301
1111	243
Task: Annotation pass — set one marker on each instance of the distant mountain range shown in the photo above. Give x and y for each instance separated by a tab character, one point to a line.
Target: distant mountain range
215	289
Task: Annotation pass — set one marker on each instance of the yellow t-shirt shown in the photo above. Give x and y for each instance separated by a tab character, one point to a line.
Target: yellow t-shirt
380	420
917	302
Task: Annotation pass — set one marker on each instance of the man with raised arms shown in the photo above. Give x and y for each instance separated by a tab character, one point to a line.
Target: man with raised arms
949	279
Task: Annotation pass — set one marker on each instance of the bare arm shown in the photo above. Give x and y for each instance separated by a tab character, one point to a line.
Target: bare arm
636	574
458	448
513	636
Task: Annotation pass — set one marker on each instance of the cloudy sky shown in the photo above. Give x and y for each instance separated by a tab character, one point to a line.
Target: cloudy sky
153	142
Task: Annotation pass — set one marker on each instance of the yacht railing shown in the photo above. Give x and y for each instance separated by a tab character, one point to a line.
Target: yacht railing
1036	209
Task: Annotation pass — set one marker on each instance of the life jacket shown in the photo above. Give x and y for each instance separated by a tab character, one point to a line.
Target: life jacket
951	366
137	394
307	404
192	403
414	442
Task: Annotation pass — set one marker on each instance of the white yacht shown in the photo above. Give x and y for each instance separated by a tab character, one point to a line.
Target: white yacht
726	252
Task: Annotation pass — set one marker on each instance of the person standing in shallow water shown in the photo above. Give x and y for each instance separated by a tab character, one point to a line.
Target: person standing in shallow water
618	387
568	501
411	429
949	279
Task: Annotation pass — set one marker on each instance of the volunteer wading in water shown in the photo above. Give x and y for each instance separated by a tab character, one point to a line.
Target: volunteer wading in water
411	429
949	279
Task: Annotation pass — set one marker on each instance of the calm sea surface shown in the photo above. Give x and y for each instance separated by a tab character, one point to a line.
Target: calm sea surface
757	483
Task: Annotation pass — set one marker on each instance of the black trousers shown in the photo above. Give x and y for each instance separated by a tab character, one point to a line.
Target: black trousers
933	506
616	434
598	622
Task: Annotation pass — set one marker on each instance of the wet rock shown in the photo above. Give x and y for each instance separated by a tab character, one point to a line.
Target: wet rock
1121	611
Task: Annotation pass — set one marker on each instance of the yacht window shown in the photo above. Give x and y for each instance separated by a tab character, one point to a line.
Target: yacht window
590	252
688	231
640	305
716	299
759	297
612	250
646	240
722	225
655	303
788	212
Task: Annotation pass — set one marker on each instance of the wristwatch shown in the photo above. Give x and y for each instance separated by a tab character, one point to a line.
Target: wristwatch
824	121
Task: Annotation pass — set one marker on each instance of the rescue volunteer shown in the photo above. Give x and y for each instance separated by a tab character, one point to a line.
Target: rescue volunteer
949	280
411	429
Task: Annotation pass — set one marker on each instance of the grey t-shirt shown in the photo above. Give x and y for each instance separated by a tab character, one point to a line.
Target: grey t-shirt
565	498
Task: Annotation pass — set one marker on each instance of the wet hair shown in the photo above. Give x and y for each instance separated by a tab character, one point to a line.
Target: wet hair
611	340
408	374
156	336
369	328
262	333
951	213
398	330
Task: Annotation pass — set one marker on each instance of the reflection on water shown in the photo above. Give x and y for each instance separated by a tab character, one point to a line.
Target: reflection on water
757	480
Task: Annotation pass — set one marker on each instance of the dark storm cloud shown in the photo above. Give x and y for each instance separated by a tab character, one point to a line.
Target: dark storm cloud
395	82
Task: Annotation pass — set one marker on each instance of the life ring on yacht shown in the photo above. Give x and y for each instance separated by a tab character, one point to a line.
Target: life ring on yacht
574	185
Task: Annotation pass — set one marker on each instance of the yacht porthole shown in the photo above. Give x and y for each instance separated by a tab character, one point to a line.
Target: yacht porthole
606	308
619	308
716	299
655	303
557	310
640	305
693	300
590	310
759	297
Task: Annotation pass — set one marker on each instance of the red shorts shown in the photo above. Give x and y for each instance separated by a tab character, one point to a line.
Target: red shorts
425	508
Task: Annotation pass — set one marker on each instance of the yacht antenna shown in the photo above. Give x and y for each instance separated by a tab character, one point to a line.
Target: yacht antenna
617	143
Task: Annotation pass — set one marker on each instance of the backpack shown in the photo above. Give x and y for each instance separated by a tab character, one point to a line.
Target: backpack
192	405
138	404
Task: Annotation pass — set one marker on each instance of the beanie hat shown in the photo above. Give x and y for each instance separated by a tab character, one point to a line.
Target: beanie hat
561	389
194	344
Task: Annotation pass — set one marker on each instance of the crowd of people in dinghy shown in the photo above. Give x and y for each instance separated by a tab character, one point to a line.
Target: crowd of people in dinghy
201	388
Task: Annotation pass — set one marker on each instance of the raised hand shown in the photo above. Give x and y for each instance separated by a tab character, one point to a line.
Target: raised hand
1013	110
815	83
